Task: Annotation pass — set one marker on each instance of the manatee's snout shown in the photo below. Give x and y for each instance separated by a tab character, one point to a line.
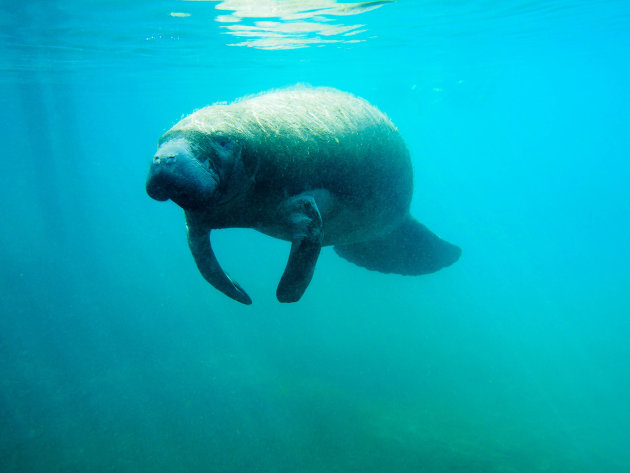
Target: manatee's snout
160	180
175	174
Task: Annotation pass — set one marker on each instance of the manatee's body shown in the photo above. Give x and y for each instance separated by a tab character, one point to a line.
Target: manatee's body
313	166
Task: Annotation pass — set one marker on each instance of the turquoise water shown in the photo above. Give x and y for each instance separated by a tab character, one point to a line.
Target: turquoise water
115	354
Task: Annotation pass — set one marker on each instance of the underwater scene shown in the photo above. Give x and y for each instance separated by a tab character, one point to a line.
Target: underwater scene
282	236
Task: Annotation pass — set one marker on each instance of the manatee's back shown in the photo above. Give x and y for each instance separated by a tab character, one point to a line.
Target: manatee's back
316	137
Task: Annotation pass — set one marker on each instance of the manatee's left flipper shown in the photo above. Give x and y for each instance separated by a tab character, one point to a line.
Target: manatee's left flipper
199	243
302	216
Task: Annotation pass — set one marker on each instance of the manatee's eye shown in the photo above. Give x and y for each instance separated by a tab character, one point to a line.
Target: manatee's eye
223	142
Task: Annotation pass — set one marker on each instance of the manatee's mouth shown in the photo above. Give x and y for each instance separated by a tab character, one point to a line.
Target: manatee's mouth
158	185
184	180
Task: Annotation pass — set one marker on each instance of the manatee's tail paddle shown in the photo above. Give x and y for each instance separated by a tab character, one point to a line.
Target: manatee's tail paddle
410	249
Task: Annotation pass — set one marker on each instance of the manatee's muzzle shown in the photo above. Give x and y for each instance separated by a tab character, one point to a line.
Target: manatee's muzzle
182	179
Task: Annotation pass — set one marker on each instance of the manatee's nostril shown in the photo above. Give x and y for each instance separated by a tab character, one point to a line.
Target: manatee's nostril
156	159
170	159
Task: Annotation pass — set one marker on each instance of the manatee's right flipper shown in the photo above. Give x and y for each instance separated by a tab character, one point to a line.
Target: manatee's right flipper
302	216
199	243
410	249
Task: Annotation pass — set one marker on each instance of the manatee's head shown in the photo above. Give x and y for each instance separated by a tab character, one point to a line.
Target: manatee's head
178	174
195	170
198	172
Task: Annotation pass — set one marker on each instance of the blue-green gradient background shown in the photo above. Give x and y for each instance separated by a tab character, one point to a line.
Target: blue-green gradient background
116	356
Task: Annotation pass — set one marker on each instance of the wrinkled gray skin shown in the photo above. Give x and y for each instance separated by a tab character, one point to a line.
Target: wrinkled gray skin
353	192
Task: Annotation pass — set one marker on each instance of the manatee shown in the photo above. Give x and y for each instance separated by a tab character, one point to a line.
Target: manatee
313	166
